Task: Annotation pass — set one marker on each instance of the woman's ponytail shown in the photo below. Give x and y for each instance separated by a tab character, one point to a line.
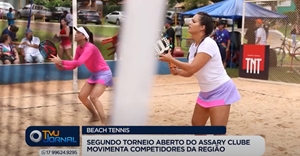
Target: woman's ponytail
91	35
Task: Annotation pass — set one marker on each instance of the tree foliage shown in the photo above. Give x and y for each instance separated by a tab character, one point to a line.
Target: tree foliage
193	4
54	3
297	3
114	2
173	2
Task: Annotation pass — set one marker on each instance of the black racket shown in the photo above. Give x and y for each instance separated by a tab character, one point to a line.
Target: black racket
47	48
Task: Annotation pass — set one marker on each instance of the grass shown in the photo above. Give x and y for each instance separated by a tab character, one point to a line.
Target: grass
101	31
233	72
282	30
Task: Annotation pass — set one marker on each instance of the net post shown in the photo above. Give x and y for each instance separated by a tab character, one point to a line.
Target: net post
243	22
74	45
137	66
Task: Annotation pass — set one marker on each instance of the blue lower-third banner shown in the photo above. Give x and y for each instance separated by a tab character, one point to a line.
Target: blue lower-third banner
52	136
131	130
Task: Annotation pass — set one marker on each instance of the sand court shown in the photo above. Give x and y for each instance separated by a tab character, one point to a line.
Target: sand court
269	110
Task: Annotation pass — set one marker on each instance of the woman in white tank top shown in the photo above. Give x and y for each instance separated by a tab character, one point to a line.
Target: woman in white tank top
218	91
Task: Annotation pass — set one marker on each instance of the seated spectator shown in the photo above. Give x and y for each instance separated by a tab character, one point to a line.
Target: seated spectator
11	31
8	53
30	48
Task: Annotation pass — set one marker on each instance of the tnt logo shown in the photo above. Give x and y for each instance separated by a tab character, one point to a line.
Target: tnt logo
253	65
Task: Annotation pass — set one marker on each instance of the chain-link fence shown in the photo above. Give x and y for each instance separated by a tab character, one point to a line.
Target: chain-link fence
283	38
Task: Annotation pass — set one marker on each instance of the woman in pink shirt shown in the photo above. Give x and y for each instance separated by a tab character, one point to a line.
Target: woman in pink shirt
101	78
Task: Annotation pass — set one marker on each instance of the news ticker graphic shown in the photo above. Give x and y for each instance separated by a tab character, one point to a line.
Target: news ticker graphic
64	152
151	130
53	136
175	145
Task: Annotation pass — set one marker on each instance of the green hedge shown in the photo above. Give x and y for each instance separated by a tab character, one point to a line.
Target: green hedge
292	16
110	8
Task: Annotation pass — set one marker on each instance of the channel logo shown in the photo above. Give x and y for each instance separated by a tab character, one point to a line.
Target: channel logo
53	136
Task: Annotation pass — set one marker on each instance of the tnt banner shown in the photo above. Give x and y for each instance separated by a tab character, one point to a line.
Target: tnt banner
254	61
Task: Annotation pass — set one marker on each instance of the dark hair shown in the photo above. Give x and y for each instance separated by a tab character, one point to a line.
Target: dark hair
3	38
14	28
91	39
64	19
207	21
65	12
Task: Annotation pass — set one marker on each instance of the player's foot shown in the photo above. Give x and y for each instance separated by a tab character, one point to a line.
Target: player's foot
94	119
104	122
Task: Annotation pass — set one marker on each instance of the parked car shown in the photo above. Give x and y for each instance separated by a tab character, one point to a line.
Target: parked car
38	11
57	13
116	17
88	16
4	7
170	15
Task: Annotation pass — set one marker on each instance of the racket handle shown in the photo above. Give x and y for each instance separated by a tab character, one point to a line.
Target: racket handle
171	65
173	69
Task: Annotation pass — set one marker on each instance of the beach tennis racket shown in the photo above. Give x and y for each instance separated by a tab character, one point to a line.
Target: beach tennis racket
113	40
47	48
55	38
162	47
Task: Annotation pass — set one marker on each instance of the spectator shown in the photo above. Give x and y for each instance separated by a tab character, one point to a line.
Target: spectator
171	34
1	16
64	14
260	35
30	48
69	18
294	32
65	44
10	17
8	54
267	27
11	31
250	34
223	41
178	33
213	34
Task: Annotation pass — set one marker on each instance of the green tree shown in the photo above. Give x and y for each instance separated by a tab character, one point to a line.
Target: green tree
39	2
297	3
172	3
193	4
54	3
114	2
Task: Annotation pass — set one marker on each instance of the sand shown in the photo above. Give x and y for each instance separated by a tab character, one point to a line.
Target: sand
269	110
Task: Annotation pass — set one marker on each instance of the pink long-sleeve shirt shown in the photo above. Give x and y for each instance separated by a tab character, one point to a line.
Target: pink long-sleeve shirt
89	55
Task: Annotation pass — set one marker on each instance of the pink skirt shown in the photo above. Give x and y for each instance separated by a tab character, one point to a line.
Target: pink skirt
101	77
225	94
